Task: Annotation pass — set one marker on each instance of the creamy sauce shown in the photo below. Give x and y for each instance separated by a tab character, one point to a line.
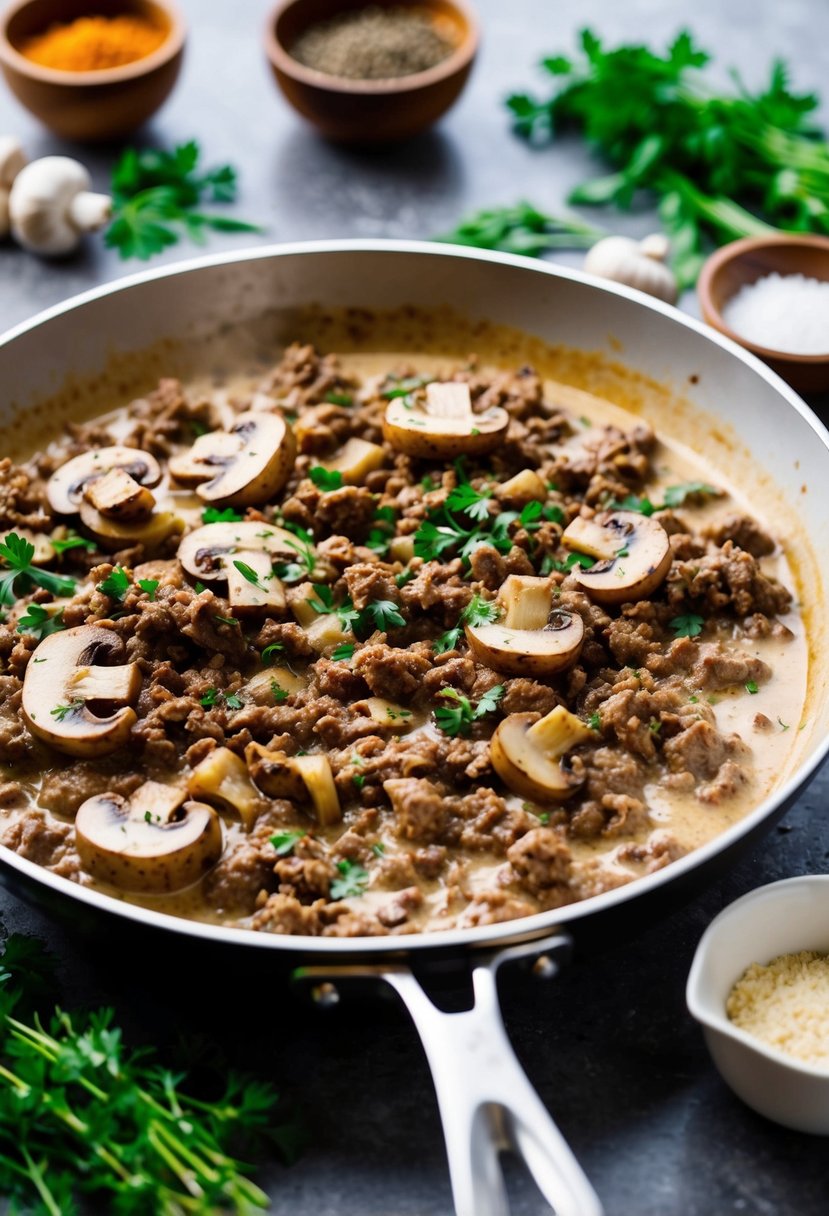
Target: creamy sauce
692	823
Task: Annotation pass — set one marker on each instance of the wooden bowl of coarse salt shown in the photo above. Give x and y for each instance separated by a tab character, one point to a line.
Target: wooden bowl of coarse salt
771	294
759	986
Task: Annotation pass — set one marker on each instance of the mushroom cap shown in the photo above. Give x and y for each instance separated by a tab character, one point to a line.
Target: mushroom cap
63	675
244	466
529	652
66	486
205	551
633	551
527	754
446	427
43	217
137	853
115	534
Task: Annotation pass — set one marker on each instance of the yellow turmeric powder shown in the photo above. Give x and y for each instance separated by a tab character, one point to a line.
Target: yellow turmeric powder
90	44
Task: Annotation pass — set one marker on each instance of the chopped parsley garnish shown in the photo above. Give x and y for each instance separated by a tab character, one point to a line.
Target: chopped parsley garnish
38	621
225	620
247	572
358	780
595	721
382	531
378	614
233	700
344	651
344	399
687	626
394	714
674	496
280	694
477	612
378	848
303	545
654	726
783	725
405	576
149	585
17	554
62	711
323	600
325	479
442	530
457	718
751	686
353	880
284	842
573	559
72	541
212	515
272	652
402	387
544	817
116	583
211	698
384	614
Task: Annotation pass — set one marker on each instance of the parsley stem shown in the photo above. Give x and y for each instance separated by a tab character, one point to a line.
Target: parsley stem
39	1183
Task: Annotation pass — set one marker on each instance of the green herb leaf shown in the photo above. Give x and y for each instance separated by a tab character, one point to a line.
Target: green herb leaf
72	541
343	652
688	625
751	686
675	496
521	229
209	698
38	621
233	700
457	718
279	693
595	721
149	585
384	614
352	882
62	711
271	653
336	398
284	842
248	573
325	479
17	553
212	515
116	583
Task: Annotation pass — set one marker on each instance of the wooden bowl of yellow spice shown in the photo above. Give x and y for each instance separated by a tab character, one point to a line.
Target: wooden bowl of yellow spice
91	71
371	71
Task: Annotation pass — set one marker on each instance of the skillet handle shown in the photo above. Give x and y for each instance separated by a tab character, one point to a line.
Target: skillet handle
487	1103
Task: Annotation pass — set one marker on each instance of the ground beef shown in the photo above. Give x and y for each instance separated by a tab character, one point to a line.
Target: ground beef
422	806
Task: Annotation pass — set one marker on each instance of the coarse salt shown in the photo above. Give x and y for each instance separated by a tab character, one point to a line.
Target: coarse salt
786	1005
782	312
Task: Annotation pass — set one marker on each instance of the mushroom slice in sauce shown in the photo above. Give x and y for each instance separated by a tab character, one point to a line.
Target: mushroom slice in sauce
115	534
206	552
154	842
633	555
65	488
533	638
445	427
244	466
355	460
299	778
222	777
252	585
529	754
117	495
63	679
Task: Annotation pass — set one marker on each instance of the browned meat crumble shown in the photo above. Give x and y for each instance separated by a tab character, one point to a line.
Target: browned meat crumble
423	813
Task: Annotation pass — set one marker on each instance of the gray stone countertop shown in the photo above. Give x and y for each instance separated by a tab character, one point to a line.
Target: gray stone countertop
609	1044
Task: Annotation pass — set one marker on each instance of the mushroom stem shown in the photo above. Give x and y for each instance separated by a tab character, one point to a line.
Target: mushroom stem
89	211
558	731
527	602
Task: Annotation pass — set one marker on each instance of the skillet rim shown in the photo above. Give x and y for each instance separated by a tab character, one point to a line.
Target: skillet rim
485	936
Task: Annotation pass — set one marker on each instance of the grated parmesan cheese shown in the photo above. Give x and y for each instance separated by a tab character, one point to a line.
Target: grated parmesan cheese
782	312
786	1005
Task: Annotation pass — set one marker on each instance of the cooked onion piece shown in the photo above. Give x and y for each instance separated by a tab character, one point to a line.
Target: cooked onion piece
154	842
530	755
67	484
355	460
445	427
63	678
244	466
533	638
222	777
632	550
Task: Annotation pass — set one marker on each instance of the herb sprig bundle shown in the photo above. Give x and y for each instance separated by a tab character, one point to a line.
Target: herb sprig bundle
157	197
82	1114
720	164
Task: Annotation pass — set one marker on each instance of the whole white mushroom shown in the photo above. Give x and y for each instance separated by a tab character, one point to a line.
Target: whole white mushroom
12	160
51	206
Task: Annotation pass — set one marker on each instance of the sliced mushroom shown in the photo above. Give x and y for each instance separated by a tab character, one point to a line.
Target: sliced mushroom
65	488
531	756
524	487
386	714
44	549
115	534
117	495
252	585
65	676
267	687
154	842
206	552
533	638
446	426
633	552
299	778
244	466
222	777
355	460
324	630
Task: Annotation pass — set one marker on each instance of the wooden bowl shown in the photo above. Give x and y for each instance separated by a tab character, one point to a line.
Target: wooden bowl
370	111
746	261
98	105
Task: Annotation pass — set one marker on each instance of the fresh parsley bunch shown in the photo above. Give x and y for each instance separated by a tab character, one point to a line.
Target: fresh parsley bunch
720	165
522	228
157	197
82	1114
21	575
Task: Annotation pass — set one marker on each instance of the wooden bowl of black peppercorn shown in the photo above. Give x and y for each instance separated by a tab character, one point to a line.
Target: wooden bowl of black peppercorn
371	73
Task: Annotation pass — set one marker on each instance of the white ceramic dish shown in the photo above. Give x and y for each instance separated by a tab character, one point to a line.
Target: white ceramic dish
781	918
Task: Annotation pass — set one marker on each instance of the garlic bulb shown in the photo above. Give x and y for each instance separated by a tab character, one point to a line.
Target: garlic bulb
639	264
